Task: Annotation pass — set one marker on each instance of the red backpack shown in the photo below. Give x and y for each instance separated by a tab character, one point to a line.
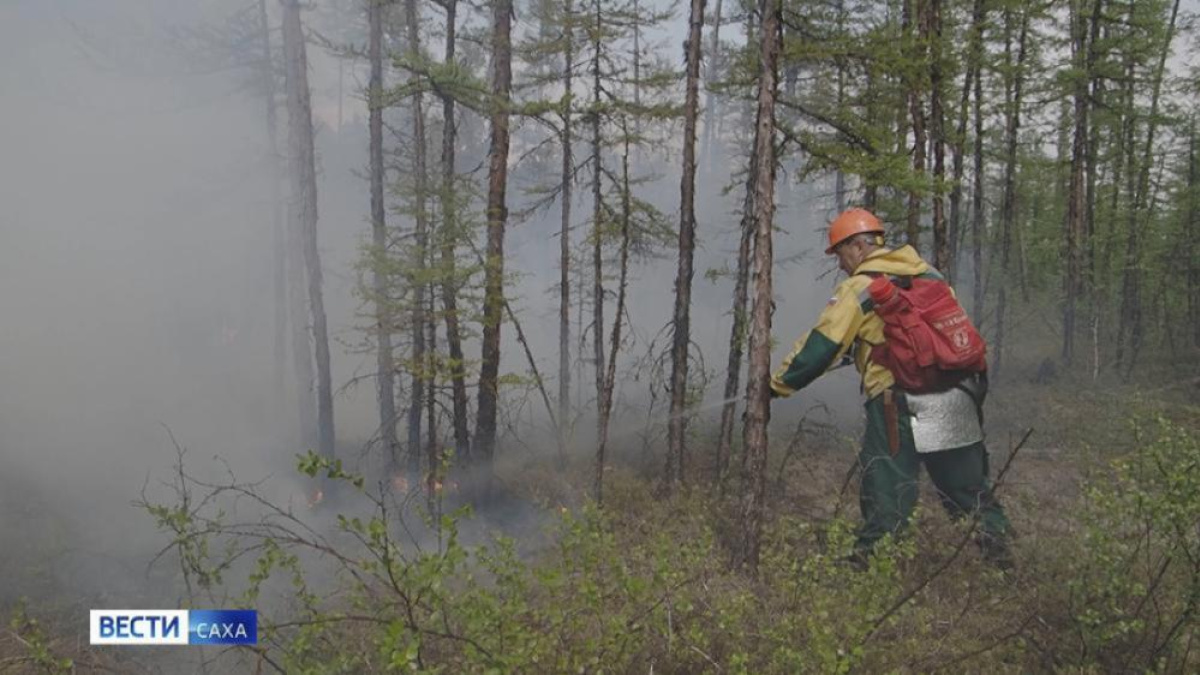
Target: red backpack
929	342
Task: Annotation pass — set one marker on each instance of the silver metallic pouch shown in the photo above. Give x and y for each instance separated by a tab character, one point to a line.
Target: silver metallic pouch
943	420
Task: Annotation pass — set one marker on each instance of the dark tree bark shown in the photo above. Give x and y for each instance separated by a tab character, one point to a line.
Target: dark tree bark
758	403
610	377
1193	231
301	334
687	245
597	214
839	179
1086	266
637	60
497	215
449	238
304	199
433	451
937	121
420	365
1131	286
978	18
1008	205
955	229
564	234
384	367
1129	157
1077	197
916	111
737	333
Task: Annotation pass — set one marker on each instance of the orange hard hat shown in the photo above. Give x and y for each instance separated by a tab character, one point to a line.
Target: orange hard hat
849	223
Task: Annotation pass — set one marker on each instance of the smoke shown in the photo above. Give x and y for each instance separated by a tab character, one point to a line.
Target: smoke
132	285
135	280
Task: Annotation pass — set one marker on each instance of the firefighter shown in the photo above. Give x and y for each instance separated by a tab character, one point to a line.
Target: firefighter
940	429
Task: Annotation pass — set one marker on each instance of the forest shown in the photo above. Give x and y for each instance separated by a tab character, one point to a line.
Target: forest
440	332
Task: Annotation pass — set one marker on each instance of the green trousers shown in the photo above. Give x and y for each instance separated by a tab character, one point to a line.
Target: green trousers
889	484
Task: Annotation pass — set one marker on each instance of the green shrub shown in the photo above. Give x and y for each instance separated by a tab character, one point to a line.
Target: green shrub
1136	586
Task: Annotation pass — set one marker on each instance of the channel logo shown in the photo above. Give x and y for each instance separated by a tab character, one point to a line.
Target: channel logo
174	627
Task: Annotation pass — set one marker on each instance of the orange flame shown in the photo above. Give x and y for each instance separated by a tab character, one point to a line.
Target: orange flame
399	483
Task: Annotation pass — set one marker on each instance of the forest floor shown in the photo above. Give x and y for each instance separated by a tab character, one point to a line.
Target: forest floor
962	614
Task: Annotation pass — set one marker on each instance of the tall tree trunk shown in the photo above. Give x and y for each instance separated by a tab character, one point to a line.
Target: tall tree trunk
304	196
564	234
681	322
581	331
1102	260
978	18
497	215
758	403
384	367
971	71
941	243
1131	300
1076	187
839	179
610	378
1193	231
916	110
278	245
1086	266
737	333
433	452
451	230
301	333
1129	145
637	61
711	71
1008	208
597	215
1080	193
420	366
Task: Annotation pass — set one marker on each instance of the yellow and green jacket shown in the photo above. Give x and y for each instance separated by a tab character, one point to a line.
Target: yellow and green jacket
847	320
